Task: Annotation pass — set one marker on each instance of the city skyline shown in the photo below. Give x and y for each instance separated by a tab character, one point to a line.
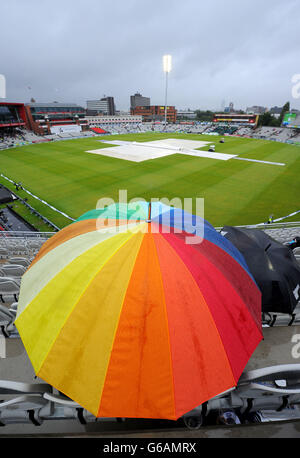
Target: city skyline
226	108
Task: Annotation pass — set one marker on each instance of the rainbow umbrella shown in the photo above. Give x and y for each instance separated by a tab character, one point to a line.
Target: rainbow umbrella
139	319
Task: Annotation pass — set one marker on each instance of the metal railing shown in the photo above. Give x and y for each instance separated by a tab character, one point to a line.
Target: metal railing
25	234
275	388
292	224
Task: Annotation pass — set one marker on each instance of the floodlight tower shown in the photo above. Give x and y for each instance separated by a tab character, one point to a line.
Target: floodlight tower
167	65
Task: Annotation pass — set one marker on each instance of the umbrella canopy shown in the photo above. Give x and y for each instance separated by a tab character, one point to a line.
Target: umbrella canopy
136	322
272	264
295	243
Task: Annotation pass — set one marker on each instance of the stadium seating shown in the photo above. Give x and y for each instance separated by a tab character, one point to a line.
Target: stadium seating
20	261
244	131
18	137
12	270
9	290
280	134
16	254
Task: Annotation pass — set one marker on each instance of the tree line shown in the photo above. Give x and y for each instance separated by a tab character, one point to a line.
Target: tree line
267	119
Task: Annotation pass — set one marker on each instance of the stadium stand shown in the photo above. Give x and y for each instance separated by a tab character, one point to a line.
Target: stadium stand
244	131
23	136
273	133
18	137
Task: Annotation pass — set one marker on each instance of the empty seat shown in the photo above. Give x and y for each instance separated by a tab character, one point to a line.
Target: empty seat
13	307
12	270
9	289
3	253
34	244
5	279
13	249
6	315
20	261
22	409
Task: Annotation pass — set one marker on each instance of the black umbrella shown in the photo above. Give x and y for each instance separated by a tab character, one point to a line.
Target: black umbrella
295	243
273	266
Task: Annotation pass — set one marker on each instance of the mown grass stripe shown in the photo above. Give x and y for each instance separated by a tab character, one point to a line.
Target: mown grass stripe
72	181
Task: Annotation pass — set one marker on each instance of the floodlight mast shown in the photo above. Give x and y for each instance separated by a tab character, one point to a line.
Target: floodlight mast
167	65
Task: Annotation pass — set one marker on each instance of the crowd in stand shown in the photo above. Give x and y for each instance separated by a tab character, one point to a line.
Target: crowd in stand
10	137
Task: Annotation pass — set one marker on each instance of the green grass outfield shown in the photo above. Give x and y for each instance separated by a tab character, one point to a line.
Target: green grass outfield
235	192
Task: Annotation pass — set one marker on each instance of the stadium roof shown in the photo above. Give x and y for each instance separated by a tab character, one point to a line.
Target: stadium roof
12	103
52	104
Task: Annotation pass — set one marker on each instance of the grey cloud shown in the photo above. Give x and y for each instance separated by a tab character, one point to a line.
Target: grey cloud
245	52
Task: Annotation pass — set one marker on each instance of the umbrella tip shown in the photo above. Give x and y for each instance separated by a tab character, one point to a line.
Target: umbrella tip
149	214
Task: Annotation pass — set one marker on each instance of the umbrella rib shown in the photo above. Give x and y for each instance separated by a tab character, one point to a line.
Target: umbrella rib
214	324
176	255
167	321
266	249
65	253
115	333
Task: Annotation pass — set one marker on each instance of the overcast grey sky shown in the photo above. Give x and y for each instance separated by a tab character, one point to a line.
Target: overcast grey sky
238	51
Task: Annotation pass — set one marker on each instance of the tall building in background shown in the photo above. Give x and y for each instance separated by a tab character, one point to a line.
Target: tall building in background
137	100
276	111
186	114
256	110
155	113
229	109
105	106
